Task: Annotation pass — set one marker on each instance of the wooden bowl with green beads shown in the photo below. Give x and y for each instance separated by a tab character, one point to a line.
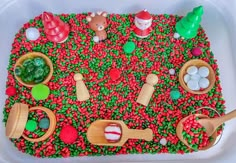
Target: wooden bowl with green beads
33	68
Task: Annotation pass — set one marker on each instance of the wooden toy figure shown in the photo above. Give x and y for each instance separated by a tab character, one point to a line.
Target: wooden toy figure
147	90
81	89
143	22
98	23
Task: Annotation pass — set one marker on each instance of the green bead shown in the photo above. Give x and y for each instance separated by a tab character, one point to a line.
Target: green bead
28	62
38	61
40	92
39	72
175	94
129	47
44	123
31	125
18	71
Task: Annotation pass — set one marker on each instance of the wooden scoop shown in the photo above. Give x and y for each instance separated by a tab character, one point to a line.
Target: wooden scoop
211	124
179	131
96	136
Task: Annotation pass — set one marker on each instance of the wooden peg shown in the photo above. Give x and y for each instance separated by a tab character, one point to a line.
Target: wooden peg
81	89
147	90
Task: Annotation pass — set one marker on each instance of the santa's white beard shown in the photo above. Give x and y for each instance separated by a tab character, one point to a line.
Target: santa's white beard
142	25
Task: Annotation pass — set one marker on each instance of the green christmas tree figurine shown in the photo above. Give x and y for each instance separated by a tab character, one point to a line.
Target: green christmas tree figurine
188	26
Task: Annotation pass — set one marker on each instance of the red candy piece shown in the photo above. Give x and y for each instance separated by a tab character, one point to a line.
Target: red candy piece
56	30
196	51
114	74
11	91
68	134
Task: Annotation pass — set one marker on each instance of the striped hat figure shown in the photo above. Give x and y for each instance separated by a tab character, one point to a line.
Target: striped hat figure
113	132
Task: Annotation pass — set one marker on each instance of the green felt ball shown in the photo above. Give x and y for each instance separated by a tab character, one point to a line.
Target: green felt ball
175	94
31	125
40	92
44	123
129	47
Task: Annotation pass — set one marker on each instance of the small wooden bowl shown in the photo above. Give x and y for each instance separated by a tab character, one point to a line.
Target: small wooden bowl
198	63
179	130
20	61
18	118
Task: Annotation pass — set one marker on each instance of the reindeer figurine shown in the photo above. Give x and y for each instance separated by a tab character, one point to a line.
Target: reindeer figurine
98	23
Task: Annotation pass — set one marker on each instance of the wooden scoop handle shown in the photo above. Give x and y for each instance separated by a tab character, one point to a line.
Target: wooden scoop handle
218	121
146	134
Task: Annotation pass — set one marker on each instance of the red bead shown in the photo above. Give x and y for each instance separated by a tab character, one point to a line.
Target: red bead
114	74
11	91
68	134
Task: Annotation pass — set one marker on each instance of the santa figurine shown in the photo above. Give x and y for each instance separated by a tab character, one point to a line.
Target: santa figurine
143	22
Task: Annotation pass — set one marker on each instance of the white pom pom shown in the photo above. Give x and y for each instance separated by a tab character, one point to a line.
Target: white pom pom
32	34
171	71
163	141
176	35
96	39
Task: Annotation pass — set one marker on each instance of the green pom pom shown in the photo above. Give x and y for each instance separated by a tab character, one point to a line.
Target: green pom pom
39	61
44	123
18	71
175	94
129	47
40	92
31	125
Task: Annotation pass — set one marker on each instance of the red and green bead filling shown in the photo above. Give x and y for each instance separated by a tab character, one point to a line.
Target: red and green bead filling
113	99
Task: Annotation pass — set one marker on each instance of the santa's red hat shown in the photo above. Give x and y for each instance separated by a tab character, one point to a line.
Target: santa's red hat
143	16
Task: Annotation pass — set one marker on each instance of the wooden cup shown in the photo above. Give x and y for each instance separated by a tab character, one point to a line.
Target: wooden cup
20	61
198	63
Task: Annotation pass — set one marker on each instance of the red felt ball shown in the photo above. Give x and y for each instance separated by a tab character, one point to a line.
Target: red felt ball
11	91
68	134
196	51
114	74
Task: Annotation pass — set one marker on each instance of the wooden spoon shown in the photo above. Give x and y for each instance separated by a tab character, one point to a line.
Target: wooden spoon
96	136
211	124
179	132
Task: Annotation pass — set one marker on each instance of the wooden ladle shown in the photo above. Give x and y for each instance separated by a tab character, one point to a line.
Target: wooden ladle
211	124
179	131
96	136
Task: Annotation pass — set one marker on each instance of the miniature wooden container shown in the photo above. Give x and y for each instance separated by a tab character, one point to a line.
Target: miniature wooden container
18	118
33	55
198	63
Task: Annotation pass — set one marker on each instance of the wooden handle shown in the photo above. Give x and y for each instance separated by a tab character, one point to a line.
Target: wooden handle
218	121
146	134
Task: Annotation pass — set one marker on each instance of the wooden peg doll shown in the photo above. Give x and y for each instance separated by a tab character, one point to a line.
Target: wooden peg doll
147	90
81	89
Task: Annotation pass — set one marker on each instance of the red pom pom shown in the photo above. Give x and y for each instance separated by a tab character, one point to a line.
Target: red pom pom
114	74
11	91
68	134
196	51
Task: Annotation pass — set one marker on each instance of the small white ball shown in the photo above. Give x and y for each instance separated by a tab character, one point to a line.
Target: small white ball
171	71
176	35
196	77
193	85
32	33
96	39
163	141
203	71
204	83
192	70
186	78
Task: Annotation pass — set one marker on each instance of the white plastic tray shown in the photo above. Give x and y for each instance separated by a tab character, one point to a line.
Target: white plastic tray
219	21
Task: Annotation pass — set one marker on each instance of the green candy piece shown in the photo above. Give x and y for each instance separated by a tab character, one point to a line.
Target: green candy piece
188	26
31	125
30	68
38	61
44	123
28	62
175	94
40	92
38	73
129	47
18	71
